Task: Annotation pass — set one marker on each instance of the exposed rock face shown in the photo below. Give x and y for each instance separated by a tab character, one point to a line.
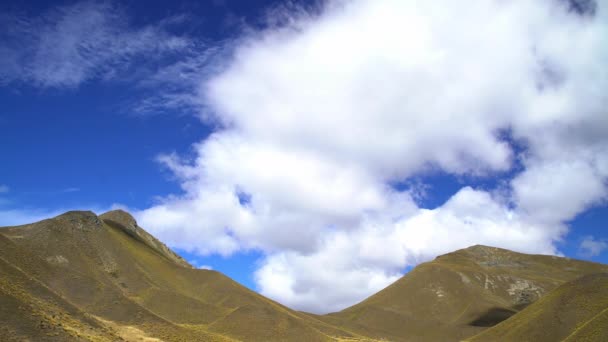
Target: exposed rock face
121	217
575	311
85	220
493	257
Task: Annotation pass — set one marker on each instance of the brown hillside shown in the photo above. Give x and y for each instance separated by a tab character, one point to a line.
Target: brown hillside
102	277
459	294
84	277
575	311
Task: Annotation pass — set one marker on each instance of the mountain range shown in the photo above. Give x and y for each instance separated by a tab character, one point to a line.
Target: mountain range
83	277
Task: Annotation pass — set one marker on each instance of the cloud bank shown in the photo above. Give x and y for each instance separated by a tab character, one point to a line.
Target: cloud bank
321	115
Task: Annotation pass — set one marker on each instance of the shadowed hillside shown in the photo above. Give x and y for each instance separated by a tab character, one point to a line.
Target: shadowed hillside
84	277
575	311
101	278
459	294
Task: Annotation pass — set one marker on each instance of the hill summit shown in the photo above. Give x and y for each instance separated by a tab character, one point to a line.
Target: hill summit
84	277
460	294
124	221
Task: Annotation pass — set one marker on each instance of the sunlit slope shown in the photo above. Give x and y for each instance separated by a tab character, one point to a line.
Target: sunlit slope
29	310
575	311
126	283
83	277
459	294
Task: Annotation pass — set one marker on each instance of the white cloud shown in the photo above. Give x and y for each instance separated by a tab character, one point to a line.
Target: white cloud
554	191
72	44
321	116
196	264
174	86
591	247
302	193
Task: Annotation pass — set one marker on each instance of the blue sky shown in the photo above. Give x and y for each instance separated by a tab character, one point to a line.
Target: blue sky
366	136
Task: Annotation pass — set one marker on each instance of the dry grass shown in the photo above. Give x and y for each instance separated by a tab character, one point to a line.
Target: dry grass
83	277
138	290
575	311
459	295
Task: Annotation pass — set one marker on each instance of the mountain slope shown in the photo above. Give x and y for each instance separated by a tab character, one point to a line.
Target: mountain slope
30	310
459	294
575	311
84	277
111	278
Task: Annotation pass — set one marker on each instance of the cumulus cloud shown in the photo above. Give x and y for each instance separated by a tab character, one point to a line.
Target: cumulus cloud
72	44
590	246
320	115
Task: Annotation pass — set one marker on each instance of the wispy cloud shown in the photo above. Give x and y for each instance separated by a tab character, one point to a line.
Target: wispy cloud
591	247
72	44
175	86
4	189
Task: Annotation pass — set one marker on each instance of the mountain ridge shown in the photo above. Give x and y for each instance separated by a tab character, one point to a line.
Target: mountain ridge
79	276
122	283
459	294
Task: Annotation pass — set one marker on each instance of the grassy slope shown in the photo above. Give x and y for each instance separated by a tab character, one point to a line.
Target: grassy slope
30	310
575	311
79	276
459	294
129	282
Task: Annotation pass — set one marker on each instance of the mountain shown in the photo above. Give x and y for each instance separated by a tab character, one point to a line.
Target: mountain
459	294
83	277
575	311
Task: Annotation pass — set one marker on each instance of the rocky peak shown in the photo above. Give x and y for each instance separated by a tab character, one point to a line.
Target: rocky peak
125	221
120	217
482	249
81	219
494	256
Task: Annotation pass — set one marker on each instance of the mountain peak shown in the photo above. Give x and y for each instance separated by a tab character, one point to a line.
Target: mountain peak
77	214
81	218
127	223
120	216
489	256
54	274
483	249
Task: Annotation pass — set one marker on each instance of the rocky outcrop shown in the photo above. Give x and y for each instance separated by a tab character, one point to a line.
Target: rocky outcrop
125	221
